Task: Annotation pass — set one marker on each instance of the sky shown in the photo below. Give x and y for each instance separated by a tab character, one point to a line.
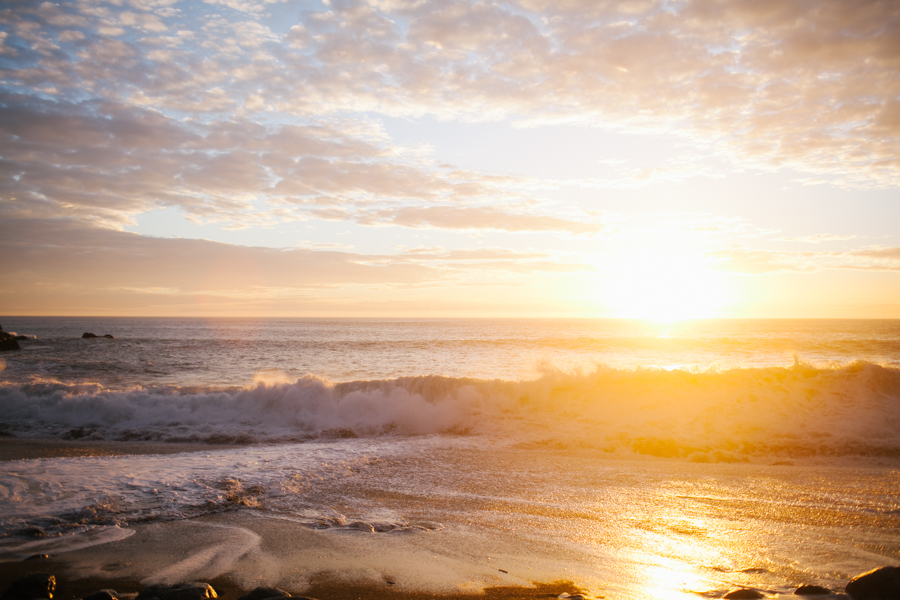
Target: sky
407	158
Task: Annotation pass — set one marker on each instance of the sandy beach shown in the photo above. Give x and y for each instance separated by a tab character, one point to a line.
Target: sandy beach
236	552
437	517
185	550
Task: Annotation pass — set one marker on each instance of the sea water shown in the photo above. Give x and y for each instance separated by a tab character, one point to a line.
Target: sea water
636	459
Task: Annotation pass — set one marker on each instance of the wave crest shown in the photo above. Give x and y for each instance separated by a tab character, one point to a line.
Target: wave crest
712	415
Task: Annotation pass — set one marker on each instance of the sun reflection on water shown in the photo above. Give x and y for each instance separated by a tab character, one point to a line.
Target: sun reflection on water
671	580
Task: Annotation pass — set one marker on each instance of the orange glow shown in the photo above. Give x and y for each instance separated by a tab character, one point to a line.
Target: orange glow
665	283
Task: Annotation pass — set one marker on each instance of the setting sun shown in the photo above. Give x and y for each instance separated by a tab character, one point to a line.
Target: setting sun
663	278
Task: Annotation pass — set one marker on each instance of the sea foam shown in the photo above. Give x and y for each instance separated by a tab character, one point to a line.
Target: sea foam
711	415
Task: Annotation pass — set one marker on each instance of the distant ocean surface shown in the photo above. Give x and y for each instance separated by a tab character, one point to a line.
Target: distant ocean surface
659	439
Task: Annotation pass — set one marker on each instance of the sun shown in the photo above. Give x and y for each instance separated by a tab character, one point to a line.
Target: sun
664	283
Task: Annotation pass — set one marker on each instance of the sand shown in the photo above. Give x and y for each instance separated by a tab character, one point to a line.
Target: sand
321	588
125	565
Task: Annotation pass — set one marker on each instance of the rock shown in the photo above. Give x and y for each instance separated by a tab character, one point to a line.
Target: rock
32	532
109	337
87	336
8	342
744	594
31	587
879	584
193	590
103	595
263	593
812	590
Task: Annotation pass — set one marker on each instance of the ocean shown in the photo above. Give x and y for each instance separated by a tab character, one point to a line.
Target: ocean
634	459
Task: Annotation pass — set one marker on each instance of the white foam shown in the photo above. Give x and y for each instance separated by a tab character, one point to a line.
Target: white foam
14	549
836	410
232	544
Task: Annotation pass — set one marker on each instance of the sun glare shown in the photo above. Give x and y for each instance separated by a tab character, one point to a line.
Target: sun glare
664	285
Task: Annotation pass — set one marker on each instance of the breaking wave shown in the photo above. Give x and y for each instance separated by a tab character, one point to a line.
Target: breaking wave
715	415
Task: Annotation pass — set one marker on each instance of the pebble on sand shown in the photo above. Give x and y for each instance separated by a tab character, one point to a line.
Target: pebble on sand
811	590
744	594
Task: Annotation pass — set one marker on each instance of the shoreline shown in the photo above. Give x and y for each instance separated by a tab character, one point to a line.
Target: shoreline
238	551
14	448
320	588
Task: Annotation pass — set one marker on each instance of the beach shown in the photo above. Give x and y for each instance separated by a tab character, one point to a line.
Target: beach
579	523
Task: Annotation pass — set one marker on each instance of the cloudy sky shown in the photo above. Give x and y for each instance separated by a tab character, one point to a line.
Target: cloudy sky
645	158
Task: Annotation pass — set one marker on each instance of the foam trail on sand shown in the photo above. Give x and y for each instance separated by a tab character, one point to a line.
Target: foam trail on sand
13	549
233	543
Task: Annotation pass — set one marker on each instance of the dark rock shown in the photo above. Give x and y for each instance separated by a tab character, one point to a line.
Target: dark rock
32	532
31	587
87	336
812	590
21	337
77	433
263	593
109	337
744	594
879	584
103	595
38	557
193	590
8	342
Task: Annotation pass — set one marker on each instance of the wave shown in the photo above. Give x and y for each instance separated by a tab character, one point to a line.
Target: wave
714	415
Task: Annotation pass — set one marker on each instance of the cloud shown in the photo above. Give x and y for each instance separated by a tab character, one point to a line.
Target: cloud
58	254
817	238
476	217
809	86
109	161
54	253
757	262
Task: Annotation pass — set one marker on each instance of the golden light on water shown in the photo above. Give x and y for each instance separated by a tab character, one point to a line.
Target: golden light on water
671	581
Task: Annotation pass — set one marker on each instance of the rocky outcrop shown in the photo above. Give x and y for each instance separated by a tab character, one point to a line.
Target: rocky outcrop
878	584
8	341
744	594
36	586
264	593
811	590
103	595
194	590
88	336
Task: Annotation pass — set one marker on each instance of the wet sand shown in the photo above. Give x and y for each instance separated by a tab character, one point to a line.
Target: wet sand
30	448
86	571
239	550
321	588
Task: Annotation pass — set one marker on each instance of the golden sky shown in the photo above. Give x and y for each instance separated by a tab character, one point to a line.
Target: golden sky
654	159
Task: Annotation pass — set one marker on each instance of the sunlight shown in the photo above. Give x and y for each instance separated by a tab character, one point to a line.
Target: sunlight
665	283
